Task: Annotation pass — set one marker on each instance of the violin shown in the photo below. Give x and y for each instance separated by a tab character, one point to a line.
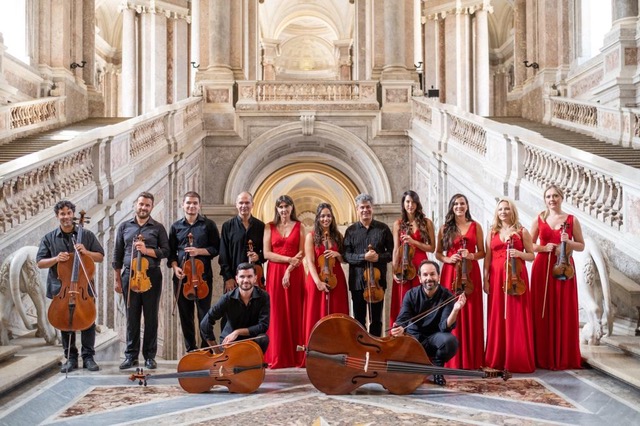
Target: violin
326	265
239	368
342	356
258	268
563	269
74	307
139	281
405	271
195	287
462	281
373	293
514	285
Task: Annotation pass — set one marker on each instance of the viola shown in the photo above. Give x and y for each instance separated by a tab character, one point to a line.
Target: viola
563	269
258	268
405	271
74	307
326	265
342	356
239	368
514	285
139	281
373	292
462	281
195	287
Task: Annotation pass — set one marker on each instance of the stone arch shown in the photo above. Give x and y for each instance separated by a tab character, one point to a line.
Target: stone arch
329	145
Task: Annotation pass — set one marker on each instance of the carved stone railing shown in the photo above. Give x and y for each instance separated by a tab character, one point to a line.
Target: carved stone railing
23	118
578	113
423	112
146	135
469	134
322	95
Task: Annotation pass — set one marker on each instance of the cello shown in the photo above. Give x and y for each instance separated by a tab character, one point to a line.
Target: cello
514	285
342	356
74	307
139	281
195	287
563	269
258	268
326	265
405	271
373	292
239	368
462	281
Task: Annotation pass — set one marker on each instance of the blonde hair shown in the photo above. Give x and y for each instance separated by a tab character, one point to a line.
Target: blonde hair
497	223
560	192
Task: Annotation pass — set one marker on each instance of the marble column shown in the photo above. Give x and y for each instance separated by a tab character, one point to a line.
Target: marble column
520	42
431	57
219	33
483	95
129	73
394	49
153	59
88	42
624	9
463	59
194	55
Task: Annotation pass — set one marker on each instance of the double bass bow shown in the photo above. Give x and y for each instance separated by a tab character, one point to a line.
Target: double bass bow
195	286
405	271
74	307
259	272
462	281
563	269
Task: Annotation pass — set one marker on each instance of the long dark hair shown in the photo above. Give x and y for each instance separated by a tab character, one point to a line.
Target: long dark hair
318	233
288	201
421	220
450	227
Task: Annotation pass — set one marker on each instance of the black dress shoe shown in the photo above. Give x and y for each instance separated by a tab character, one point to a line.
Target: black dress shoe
128	363
150	364
439	380
70	365
90	364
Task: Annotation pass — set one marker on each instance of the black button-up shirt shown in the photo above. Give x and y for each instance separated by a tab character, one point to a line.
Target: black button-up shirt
356	240
205	235
416	302
155	237
234	247
56	242
254	316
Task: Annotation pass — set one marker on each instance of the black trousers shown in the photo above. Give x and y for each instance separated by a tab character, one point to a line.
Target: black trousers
360	312
186	310
147	304
87	339
440	347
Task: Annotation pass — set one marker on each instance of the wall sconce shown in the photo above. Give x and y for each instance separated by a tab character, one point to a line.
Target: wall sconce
532	64
433	93
193	65
418	66
75	65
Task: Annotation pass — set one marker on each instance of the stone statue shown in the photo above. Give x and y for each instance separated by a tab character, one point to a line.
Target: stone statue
19	276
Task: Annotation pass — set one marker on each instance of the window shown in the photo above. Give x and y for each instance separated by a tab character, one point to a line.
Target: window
595	22
14	29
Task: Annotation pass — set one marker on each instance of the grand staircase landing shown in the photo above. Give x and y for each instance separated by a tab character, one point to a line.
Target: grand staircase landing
620	154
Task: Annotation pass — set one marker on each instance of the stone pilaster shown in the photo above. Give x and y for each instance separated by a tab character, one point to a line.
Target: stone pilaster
343	50
462	59
482	81
520	43
269	53
129	73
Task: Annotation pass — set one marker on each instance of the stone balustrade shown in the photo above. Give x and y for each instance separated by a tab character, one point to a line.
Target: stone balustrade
469	134
23	118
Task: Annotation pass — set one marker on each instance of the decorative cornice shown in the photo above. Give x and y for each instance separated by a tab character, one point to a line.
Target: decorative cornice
171	11
460	7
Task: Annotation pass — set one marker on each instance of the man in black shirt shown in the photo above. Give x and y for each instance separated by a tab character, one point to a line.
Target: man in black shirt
357	238
434	330
55	248
206	242
246	310
153	247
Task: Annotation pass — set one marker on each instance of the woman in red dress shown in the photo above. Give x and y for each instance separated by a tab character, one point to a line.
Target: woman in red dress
555	302
510	334
461	238
284	248
416	230
320	299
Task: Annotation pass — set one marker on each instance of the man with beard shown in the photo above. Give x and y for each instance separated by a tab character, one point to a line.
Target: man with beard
434	330
153	247
245	308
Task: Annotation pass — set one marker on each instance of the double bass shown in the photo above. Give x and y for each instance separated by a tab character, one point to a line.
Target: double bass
239	367
563	269
258	268
405	271
462	281
342	356
514	285
195	287
373	292
74	308
139	281
326	265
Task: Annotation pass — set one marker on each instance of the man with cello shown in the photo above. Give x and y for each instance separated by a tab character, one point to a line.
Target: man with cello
245	308
368	246
193	243
56	249
141	243
429	313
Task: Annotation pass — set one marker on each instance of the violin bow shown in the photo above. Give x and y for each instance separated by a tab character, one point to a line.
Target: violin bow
84	271
506	277
421	315
220	345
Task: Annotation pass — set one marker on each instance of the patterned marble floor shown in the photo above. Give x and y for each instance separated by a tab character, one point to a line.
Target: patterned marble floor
581	397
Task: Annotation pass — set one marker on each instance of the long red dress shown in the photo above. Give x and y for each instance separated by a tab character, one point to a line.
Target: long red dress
400	289
286	322
315	305
556	330
510	340
469	325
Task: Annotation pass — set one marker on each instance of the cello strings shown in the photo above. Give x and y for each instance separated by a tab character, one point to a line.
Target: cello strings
84	270
404	367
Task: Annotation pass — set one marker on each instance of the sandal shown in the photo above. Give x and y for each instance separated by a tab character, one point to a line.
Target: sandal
439	380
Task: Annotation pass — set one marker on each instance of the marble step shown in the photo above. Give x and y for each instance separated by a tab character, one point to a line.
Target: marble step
7	352
627	344
613	361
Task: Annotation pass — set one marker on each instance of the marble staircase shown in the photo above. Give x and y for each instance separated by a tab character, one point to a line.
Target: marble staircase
617	356
621	154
